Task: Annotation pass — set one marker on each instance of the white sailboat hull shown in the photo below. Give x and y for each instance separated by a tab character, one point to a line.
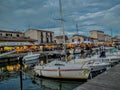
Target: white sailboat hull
65	72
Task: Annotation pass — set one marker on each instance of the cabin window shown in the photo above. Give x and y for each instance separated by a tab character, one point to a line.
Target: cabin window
59	64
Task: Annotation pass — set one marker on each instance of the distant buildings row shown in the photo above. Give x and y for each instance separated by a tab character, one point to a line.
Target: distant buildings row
38	37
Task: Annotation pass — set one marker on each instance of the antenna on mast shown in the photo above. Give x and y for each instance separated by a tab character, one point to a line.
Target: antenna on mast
62	20
77	28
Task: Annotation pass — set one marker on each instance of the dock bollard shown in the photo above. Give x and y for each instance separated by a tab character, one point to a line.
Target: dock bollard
90	75
41	62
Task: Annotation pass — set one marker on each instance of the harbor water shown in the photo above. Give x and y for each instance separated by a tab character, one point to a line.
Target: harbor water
12	82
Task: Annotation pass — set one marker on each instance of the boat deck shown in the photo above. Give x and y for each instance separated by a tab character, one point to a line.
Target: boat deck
109	80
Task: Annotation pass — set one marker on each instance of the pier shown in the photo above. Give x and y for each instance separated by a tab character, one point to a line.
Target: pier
109	80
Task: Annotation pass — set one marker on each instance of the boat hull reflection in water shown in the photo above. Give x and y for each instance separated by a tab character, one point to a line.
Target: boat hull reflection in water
53	84
11	81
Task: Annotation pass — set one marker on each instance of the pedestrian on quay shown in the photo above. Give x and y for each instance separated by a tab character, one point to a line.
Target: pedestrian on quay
82	54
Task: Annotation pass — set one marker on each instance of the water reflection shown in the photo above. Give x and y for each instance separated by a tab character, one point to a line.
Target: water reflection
53	84
11	81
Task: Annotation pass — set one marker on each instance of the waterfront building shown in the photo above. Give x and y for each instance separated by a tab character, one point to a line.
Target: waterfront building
95	41
11	38
98	35
42	36
77	39
108	38
60	39
117	37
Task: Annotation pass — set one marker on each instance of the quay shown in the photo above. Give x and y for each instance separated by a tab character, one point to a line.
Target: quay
37	52
14	57
108	80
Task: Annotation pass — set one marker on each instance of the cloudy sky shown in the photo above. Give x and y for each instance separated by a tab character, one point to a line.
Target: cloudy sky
19	15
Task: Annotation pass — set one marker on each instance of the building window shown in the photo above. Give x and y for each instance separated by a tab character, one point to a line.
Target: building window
41	37
8	34
0	34
72	40
51	37
47	38
17	35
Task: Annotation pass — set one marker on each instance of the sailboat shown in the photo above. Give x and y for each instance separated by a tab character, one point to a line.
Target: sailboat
62	69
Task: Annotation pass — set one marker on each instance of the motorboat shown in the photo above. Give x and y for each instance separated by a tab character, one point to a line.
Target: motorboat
94	65
62	70
7	53
30	57
98	66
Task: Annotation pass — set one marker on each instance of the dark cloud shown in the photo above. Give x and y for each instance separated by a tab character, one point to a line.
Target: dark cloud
88	14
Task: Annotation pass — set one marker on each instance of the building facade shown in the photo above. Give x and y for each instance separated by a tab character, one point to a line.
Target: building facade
108	38
42	36
117	37
6	33
8	38
60	39
98	35
79	39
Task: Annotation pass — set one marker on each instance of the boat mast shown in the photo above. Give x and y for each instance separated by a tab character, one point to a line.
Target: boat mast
77	33
62	27
111	35
62	20
77	28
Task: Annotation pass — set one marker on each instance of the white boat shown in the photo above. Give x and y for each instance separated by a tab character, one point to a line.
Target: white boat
98	66
31	56
63	70
7	53
96	63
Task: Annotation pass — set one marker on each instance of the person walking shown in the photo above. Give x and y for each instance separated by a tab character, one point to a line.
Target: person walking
82	54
